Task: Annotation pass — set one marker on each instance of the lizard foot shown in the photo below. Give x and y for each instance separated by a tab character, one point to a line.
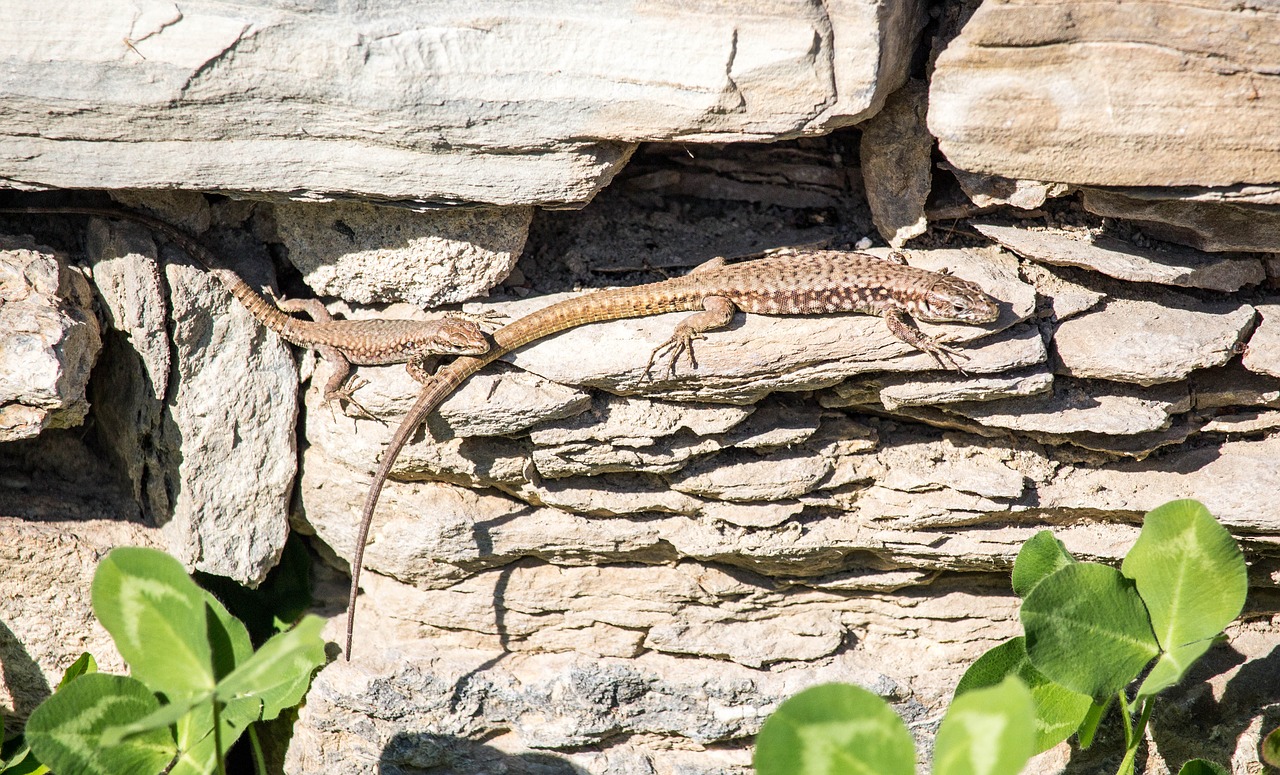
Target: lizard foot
488	321
680	343
346	393
944	354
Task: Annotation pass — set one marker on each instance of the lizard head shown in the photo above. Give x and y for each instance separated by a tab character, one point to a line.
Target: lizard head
951	299
457	336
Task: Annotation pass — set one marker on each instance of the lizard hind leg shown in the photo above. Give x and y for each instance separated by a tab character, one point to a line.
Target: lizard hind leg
717	312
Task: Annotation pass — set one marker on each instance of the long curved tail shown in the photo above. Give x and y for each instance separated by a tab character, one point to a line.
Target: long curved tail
611	304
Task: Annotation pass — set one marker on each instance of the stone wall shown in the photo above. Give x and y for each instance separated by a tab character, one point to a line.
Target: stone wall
578	567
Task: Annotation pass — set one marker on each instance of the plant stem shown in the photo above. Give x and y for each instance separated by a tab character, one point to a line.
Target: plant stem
1125	715
1134	735
258	758
217	737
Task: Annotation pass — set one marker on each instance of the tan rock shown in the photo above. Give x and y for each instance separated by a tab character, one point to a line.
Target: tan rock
1213	226
1262	353
459	102
1084	407
46	570
1100	95
897	165
1168	266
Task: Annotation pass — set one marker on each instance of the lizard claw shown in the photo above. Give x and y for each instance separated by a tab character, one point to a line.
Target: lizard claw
945	355
346	393
489	321
680	343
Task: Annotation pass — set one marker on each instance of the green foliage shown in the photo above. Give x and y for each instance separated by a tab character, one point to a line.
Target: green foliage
1090	632
833	729
281	599
987	731
196	685
1039	557
1057	710
841	729
68	731
1088	609
1203	767
1271	748
1192	576
15	755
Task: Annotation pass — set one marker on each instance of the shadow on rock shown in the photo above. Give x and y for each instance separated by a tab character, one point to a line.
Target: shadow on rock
417	753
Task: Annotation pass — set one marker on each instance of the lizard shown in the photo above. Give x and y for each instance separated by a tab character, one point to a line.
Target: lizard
342	343
796	283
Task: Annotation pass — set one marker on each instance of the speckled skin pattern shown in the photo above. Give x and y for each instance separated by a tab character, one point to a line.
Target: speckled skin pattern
793	283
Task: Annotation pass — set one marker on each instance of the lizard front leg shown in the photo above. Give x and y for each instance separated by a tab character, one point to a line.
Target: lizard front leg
340	386
717	312
901	326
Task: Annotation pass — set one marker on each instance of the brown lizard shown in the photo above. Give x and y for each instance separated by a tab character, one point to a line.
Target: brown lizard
801	283
342	343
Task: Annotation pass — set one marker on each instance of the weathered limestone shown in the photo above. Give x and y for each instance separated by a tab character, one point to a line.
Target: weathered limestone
1214	226
46	621
585	568
369	254
1125	261
214	465
497	103
49	340
1157	94
897	165
1263	352
1160	338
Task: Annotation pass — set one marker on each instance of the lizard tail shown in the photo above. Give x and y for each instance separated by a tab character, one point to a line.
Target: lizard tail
609	304
442	384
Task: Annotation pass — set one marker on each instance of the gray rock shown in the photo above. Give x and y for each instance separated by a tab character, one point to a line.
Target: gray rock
230	513
786	638
1066	299
46	571
636	422
1233	386
924	391
1243	422
1262	353
49	340
1083	407
1169	266
1213	226
994	190
369	254
1157	339
747	476
460	102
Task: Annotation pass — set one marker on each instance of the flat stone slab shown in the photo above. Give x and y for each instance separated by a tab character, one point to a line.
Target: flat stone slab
1204	225
1077	407
1262	354
1111	94
1159	339
453	101
1172	265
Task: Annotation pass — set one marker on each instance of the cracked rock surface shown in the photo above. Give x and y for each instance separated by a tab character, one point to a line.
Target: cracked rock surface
577	567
